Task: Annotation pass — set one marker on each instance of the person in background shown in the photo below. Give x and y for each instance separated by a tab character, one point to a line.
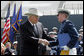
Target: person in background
8	50
81	27
53	44
80	48
81	31
53	35
3	48
81	34
55	29
15	48
46	30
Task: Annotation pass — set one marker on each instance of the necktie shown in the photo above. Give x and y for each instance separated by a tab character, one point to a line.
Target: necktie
36	29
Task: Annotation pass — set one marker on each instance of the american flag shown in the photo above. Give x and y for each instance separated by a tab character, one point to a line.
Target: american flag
5	35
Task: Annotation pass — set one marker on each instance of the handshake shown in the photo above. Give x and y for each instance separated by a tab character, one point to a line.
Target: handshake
43	41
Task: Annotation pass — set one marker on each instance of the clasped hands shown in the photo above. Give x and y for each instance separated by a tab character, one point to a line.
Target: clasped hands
43	41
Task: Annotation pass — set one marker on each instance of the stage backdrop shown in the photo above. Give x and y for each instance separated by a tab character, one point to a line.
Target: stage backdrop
51	21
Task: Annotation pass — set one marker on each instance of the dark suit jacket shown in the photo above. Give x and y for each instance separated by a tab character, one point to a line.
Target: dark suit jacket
29	41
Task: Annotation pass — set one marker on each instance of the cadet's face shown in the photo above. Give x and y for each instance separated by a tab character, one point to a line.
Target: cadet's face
54	30
60	17
34	19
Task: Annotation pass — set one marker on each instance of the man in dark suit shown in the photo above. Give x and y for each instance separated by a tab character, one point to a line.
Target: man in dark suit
32	34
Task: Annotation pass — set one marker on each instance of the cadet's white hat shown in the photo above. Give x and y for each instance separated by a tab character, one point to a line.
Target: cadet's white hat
54	28
15	42
63	11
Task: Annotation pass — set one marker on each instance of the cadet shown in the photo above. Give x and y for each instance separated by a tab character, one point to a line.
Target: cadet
55	29
67	35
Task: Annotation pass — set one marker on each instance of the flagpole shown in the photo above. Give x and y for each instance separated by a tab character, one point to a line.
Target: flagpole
12	33
10	24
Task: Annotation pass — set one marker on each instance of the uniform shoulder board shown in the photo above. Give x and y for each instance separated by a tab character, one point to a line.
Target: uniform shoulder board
69	22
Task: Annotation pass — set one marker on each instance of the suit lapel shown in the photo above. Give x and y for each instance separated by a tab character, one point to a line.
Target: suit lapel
30	28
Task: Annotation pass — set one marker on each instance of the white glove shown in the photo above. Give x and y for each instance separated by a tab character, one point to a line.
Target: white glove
65	48
13	54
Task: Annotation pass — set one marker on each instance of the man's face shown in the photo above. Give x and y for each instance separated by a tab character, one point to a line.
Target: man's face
60	17
34	19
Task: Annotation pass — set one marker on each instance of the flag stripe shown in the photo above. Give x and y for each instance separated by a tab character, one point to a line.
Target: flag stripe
5	32
7	25
8	20
3	37
5	40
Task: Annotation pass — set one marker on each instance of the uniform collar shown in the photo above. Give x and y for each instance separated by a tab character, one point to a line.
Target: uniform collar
63	21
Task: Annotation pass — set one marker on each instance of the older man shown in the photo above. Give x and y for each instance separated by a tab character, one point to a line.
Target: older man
32	34
67	35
